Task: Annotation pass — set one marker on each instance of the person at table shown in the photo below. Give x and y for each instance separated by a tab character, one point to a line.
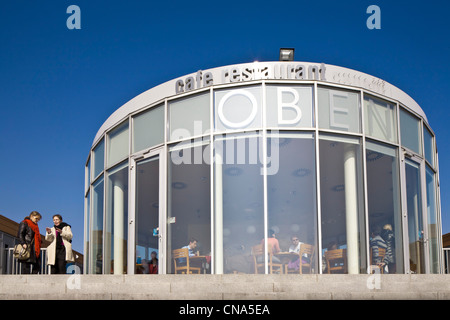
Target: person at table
272	242
191	247
295	248
153	264
377	242
296	244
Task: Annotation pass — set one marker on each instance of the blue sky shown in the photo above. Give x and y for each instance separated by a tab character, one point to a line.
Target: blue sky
57	86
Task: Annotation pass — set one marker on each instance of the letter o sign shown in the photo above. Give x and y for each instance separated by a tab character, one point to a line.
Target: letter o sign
250	118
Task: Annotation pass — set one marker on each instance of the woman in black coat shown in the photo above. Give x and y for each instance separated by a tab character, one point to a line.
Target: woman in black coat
29	235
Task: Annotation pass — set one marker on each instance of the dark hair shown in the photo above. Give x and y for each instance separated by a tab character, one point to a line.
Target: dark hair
271	233
58	216
191	240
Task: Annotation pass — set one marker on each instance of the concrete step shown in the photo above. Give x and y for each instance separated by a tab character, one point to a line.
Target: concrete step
225	287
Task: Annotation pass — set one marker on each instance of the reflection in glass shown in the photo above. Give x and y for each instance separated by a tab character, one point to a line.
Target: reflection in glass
189	117
118	144
116	234
339	110
383	193
291	192
148	128
87	176
380	119
99	158
410	131
189	206
96	257
341	199
415	220
239	202
432	221
147	213
428	146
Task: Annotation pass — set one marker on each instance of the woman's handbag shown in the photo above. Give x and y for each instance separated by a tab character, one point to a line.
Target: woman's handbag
22	253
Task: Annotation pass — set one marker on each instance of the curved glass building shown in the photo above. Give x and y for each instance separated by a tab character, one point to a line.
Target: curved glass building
338	160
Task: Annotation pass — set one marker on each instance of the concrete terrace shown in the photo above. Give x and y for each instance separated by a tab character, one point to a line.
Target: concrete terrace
225	287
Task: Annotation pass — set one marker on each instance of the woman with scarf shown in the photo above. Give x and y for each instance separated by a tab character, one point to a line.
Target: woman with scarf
59	252
29	235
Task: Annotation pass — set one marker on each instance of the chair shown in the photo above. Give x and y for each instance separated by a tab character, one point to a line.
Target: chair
336	261
308	249
184	267
258	256
379	265
258	260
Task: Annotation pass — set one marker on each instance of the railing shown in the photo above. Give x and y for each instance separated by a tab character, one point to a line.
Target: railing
446	260
13	266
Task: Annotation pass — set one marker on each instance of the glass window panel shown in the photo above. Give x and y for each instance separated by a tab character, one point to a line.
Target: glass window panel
410	131
415	218
428	145
291	195
239	220
118	144
289	106
433	228
341	203
339	110
189	116
148	128
96	257
147	214
189	205
380	119
385	219
99	158
238	108
116	234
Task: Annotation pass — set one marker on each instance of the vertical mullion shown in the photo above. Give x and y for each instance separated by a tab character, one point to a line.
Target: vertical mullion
318	195
365	192
264	158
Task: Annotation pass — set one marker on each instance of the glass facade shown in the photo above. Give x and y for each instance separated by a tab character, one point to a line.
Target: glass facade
272	177
341	199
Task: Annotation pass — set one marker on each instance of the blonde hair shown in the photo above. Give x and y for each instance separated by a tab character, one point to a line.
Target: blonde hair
35	213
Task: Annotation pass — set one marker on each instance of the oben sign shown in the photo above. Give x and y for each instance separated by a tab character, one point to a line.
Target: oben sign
288	107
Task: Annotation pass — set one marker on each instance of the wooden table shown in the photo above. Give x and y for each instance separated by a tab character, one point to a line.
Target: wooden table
287	257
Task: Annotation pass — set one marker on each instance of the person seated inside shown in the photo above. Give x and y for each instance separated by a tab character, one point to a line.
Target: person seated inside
376	242
192	253
295	248
191	246
273	243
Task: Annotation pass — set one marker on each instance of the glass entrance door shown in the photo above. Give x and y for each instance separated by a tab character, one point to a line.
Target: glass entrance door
148	214
414	209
